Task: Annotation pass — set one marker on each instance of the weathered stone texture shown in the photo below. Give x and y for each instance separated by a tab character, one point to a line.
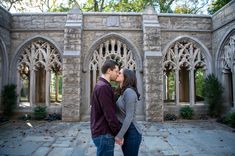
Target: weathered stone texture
153	89
223	23
111	21
5	25
71	89
39	21
185	22
224	16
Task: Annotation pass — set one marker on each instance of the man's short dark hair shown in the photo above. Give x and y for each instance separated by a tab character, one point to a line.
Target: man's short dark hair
108	64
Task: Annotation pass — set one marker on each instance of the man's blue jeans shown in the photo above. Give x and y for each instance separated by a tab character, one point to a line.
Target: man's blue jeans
132	140
104	145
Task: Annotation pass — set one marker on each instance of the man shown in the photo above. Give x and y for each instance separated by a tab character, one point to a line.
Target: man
104	123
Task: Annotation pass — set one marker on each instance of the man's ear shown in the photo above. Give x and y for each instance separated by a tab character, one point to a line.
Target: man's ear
108	71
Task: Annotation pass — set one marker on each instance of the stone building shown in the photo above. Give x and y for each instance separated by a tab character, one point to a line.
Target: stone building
55	58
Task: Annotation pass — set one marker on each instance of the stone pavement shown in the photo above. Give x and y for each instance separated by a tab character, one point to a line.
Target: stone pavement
185	138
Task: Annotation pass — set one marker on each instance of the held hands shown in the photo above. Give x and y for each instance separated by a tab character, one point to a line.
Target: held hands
119	141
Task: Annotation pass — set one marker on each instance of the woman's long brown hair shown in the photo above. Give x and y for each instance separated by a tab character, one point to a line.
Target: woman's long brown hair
130	81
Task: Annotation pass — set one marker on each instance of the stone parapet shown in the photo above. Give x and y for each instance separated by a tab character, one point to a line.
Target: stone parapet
39	21
224	16
185	23
112	21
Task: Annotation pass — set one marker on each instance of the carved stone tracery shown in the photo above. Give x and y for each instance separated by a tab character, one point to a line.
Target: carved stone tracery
35	63
182	55
115	50
228	57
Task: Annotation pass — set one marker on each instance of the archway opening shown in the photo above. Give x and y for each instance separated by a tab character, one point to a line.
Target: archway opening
199	80
39	74
184	85
169	87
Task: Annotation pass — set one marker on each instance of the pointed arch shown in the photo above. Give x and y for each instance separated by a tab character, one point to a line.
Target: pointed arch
119	37
36	62
225	68
112	46
18	51
185	62
220	51
200	45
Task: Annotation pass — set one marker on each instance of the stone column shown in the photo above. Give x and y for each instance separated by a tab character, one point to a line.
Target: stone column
71	66
177	87
47	87
32	87
153	72
192	88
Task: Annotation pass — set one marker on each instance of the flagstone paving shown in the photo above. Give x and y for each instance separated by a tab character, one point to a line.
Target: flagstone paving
186	138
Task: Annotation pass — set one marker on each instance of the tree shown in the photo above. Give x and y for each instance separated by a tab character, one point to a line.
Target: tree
212	92
216	5
190	6
94	5
8	4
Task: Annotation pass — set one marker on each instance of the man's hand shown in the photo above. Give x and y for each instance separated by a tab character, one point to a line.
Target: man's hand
119	141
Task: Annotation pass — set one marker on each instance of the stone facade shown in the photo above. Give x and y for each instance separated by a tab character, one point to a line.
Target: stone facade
143	39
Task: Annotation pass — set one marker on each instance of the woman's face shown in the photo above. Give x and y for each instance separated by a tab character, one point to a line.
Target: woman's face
120	77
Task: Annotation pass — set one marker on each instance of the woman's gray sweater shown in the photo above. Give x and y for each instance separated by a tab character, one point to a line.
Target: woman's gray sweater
126	111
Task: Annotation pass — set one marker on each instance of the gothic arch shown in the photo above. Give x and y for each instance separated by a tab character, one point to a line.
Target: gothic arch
90	69
200	44
121	38
225	68
220	50
182	59
4	62
17	52
35	61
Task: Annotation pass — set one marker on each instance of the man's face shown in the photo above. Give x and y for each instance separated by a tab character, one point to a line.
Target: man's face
114	73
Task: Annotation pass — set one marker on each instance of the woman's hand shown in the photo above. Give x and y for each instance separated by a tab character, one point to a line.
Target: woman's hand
119	141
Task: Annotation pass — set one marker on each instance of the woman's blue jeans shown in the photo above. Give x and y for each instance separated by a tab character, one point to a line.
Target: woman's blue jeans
104	145
132	140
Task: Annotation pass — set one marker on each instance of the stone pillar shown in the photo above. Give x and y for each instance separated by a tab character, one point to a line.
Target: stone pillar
153	72
47	87
32	87
71	66
177	88
192	88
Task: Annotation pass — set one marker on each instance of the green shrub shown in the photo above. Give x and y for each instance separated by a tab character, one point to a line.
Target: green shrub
186	112
212	92
40	112
230	119
9	99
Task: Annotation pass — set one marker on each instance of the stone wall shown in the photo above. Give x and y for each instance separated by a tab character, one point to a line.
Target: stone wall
194	27
5	43
75	34
5	26
223	24
26	27
174	26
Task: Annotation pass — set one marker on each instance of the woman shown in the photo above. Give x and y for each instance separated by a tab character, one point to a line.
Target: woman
126	113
